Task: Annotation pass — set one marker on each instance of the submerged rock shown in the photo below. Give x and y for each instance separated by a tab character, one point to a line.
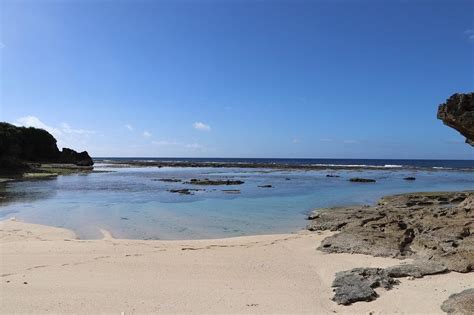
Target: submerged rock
458	113
184	191
332	175
265	186
410	178
460	303
168	180
207	181
231	191
362	180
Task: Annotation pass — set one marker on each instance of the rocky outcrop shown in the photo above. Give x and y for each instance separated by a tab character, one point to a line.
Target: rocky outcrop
458	113
19	145
425	226
207	181
69	156
434	229
358	284
460	303
362	180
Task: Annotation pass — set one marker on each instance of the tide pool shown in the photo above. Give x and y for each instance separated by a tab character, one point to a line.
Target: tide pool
133	203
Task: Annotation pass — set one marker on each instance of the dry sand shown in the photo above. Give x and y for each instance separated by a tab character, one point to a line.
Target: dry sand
47	270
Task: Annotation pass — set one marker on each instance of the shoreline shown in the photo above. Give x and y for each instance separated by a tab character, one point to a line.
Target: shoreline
45	269
127	163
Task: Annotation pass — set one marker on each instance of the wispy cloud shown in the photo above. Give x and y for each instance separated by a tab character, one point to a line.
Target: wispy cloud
350	141
165	142
296	140
32	121
195	147
129	127
201	126
470	35
179	145
65	135
146	134
66	128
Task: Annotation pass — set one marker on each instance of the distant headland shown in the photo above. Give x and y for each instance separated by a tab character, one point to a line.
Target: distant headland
21	148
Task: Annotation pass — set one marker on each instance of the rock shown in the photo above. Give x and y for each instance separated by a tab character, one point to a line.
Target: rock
184	191
20	146
416	270
410	178
332	175
460	303
362	180
231	191
265	186
458	113
69	156
435	227
207	181
168	180
358	284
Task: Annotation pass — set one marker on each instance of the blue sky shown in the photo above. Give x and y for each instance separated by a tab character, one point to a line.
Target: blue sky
342	79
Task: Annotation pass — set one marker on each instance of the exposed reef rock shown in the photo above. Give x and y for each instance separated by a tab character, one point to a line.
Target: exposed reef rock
358	284
20	145
460	303
410	178
434	229
184	191
426	226
458	113
69	156
362	180
207	181
168	180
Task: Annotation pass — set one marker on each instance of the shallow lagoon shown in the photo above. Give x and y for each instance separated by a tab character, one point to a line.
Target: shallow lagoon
131	203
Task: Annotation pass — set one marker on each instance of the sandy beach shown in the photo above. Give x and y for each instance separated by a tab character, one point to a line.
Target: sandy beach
46	269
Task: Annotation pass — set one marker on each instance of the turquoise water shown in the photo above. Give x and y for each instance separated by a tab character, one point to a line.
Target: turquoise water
130	203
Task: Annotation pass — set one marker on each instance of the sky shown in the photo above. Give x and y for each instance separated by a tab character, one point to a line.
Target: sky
276	79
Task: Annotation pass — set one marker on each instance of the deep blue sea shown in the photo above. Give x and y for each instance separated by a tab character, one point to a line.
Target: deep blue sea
131	202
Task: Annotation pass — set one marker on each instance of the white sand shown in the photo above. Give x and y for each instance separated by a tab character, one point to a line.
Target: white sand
255	274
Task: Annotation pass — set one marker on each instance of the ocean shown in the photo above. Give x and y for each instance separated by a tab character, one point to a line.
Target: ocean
132	202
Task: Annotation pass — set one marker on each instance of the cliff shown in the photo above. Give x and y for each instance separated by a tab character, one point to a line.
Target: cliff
458	113
19	145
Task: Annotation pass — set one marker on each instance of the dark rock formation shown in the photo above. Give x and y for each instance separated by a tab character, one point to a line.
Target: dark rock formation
19	145
207	181
332	175
231	191
362	180
69	156
458	113
460	303
410	178
265	186
184	191
358	284
168	180
427	226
